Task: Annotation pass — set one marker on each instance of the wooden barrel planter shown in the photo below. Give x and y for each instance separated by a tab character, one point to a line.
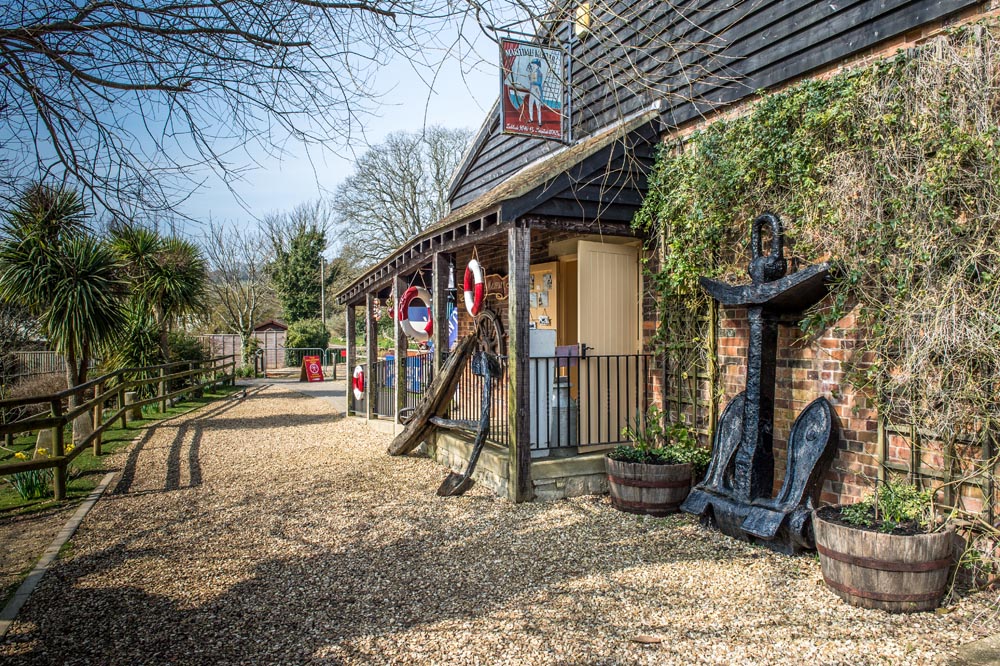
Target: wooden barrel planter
898	574
656	490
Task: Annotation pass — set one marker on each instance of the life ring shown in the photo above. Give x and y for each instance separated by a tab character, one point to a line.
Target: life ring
358	382
475	288
419	331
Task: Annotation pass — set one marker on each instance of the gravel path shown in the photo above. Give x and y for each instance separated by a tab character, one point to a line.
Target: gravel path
266	531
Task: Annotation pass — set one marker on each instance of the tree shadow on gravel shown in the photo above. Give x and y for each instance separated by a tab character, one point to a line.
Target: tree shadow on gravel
363	583
195	426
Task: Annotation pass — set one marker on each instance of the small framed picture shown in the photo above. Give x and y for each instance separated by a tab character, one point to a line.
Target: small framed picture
533	300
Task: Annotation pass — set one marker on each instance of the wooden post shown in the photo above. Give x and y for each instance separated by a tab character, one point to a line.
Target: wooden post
399	349
351	318
441	268
371	343
713	369
519	486
162	391
58	449
98	417
121	404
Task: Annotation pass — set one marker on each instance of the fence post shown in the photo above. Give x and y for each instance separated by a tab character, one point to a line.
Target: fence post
232	370
121	404
59	475
162	391
98	417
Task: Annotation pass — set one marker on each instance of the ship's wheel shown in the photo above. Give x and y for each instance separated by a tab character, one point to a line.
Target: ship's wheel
491	337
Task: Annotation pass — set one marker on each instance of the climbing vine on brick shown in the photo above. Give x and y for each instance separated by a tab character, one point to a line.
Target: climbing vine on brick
893	173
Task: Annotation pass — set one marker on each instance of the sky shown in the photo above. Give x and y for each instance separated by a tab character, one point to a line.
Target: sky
456	100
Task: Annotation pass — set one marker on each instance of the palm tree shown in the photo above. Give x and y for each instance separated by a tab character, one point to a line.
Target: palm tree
169	275
51	263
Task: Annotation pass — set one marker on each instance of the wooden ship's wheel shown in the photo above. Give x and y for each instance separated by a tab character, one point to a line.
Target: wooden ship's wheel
491	337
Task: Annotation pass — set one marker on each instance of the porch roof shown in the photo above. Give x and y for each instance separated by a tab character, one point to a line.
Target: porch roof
593	186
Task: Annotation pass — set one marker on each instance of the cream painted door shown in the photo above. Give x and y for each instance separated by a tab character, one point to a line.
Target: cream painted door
608	323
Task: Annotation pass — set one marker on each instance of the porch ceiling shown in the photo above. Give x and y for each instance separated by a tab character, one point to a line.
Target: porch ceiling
593	186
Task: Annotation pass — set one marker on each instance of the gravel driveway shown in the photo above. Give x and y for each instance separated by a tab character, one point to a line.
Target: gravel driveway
266	530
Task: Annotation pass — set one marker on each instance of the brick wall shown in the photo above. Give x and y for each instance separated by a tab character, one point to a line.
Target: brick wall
808	369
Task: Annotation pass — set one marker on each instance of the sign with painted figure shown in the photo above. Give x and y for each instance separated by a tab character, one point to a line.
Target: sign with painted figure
312	369
532	90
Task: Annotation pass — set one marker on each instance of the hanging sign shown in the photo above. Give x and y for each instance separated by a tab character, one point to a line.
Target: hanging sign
496	286
312	369
532	90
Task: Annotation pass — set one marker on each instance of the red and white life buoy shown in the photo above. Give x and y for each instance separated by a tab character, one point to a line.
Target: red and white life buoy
419	331
475	288
358	382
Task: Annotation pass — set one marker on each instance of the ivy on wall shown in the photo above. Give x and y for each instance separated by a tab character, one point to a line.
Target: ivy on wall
892	172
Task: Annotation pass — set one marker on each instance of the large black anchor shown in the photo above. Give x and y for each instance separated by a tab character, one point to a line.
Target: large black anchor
486	365
736	492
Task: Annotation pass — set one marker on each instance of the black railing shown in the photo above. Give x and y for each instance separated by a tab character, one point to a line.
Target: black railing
383	388
419	374
467	403
585	401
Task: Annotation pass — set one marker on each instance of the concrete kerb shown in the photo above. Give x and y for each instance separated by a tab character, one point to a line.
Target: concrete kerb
28	585
9	613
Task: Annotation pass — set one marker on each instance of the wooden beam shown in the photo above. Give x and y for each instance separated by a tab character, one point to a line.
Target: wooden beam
441	272
351	336
400	343
371	351
519	486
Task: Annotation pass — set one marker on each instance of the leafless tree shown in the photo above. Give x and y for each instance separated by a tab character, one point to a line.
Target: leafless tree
398	189
239	284
138	101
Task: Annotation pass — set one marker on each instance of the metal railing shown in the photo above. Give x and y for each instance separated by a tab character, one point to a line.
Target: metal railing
383	388
467	403
585	400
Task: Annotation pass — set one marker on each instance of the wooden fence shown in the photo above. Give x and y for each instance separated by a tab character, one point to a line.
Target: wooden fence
107	388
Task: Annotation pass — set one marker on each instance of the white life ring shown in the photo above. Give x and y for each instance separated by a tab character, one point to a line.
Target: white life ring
419	331
475	288
358	382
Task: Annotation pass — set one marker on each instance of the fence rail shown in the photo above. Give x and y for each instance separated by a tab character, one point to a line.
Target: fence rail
105	388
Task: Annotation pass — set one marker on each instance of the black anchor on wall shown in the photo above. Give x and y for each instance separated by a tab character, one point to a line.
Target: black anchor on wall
736	492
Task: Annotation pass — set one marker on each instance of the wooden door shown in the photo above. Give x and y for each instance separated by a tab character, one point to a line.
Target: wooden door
608	305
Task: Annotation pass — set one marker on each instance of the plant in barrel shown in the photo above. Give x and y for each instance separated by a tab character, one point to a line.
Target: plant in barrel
888	551
654	473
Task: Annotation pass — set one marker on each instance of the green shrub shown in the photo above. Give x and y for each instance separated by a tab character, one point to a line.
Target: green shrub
653	444
305	334
185	347
894	503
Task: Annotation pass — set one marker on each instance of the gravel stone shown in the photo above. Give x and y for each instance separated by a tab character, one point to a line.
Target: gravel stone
270	531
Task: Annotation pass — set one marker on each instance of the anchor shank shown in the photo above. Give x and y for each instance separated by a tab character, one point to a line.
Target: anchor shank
754	473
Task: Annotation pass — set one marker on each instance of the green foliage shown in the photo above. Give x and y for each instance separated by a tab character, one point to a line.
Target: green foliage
893	172
307	333
168	275
33	484
71	280
185	347
653	444
895	502
295	270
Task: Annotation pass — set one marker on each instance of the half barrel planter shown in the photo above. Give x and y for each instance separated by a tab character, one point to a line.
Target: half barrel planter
655	490
897	574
